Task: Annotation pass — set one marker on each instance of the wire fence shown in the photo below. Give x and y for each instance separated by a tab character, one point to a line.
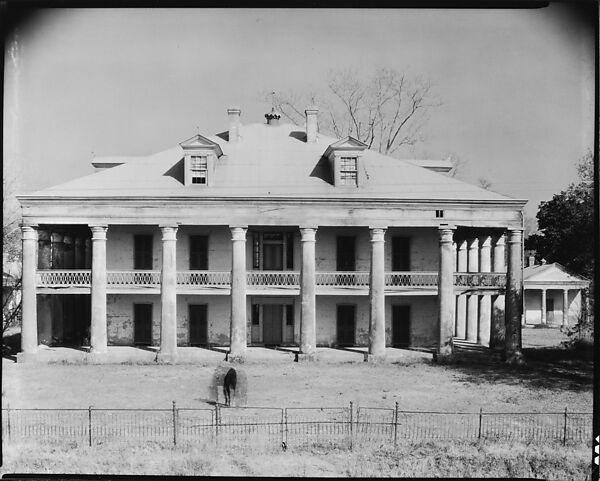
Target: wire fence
266	428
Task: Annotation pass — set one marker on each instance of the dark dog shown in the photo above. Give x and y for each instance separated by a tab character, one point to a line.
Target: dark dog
228	384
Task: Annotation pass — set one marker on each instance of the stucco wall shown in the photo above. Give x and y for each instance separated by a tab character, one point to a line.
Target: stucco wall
423	319
119	317
533	306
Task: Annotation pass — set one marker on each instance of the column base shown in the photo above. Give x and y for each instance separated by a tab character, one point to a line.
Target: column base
166	358
96	357
235	358
374	358
306	357
27	357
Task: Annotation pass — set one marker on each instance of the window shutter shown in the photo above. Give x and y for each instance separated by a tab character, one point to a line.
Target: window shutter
198	252
400	254
142	258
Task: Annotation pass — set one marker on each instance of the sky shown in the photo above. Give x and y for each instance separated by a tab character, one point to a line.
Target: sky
517	86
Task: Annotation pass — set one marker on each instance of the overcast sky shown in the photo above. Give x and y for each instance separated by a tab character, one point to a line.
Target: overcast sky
517	86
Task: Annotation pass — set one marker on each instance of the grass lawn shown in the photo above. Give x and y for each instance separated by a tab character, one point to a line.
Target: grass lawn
552	379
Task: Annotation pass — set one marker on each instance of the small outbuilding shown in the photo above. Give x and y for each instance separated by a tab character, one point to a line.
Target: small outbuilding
553	296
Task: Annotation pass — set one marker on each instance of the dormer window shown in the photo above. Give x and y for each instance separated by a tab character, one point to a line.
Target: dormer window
200	155
345	161
199	169
348	171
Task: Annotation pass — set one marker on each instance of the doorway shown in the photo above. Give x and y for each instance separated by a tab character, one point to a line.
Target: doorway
198	324
142	324
272	324
400	326
346	317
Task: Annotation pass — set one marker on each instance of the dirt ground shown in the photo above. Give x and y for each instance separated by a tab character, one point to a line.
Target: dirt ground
549	383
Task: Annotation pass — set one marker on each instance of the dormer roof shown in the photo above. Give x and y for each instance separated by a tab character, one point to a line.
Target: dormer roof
199	142
347	144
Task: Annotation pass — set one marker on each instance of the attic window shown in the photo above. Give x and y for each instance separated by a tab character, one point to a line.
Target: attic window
439	213
348	171
199	169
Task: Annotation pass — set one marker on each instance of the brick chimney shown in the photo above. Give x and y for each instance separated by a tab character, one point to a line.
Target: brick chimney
531	261
273	117
311	123
234	124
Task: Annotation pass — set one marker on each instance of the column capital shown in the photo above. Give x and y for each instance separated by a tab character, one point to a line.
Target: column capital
238	233
308	234
485	241
500	240
473	243
98	232
29	232
377	234
169	232
515	236
446	233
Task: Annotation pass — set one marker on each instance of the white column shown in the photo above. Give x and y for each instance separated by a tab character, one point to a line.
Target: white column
514	298
565	320
237	350
543	319
445	291
377	297
485	301
308	333
98	321
497	331
472	299
461	299
29	341
168	296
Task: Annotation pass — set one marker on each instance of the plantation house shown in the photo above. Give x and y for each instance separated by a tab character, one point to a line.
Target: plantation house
270	234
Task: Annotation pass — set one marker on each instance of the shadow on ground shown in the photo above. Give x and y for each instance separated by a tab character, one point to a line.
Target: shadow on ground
11	345
546	367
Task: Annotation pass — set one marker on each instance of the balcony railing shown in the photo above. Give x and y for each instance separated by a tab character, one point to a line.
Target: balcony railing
285	279
133	278
273	279
204	278
63	278
480	279
342	279
411	279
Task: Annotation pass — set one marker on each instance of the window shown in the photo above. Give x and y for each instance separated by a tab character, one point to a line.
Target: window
348	171
439	213
400	254
142	256
345	260
198	252
289	315
199	169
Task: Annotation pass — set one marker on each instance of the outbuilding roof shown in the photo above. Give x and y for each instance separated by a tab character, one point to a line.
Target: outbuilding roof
268	160
554	273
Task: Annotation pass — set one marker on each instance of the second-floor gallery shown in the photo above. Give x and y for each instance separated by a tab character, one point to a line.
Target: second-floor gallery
275	235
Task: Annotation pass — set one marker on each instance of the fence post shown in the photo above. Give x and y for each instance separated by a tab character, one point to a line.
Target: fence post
8	420
396	425
217	424
480	420
174	424
350	425
90	426
565	429
286	427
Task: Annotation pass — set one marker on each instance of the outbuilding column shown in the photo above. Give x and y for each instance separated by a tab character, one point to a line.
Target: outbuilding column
499	265
514	298
472	299
237	350
98	322
461	299
168	296
544	321
485	301
445	291
308	333
565	319
377	297
29	341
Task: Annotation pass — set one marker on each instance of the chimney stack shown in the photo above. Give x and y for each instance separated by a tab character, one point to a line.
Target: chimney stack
531	261
273	117
311	123
234	124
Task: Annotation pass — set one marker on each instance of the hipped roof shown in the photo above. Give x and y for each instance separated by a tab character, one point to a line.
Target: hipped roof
268	161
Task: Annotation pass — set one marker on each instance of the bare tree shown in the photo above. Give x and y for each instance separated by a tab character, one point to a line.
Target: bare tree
386	111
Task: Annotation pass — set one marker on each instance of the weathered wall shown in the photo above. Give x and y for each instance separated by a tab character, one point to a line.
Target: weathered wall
424	247
423	319
119	317
218	315
119	246
219	246
327	318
